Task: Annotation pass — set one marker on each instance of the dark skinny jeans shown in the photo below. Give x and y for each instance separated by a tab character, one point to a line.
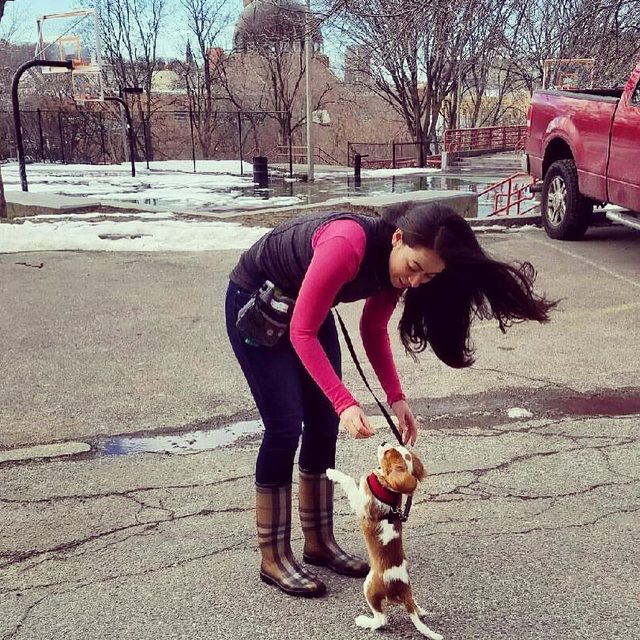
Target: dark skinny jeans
287	397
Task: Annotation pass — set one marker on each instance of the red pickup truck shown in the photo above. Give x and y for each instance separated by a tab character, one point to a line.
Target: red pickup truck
585	146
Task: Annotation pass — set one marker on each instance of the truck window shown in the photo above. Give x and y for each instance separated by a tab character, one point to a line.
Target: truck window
635	96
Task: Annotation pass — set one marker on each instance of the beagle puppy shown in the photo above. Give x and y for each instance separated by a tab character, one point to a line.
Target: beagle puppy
377	502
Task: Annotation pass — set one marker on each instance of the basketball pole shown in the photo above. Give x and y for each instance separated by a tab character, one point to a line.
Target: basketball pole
127	114
17	119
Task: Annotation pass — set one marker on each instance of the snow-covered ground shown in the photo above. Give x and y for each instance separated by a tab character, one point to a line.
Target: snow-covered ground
217	186
123	232
172	185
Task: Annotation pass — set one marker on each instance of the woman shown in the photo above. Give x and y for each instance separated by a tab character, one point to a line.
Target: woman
426	255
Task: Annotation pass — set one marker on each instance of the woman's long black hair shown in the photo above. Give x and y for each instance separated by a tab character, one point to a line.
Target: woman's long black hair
473	285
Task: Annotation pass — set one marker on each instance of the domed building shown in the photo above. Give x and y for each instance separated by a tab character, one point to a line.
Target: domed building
266	23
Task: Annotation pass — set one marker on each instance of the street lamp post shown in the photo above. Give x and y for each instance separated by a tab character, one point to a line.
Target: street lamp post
308	43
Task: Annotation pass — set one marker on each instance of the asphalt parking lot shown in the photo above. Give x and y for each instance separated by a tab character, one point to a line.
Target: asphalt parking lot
527	527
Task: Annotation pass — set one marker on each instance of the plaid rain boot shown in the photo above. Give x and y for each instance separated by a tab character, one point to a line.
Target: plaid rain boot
279	567
315	502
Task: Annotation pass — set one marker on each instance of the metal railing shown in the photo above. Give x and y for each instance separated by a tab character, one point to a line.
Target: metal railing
389	155
299	155
510	194
97	135
484	139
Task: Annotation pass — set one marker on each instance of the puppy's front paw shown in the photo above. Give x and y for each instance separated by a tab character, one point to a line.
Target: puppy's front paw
333	475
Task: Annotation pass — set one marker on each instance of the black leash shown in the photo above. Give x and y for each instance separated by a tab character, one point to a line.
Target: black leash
385	413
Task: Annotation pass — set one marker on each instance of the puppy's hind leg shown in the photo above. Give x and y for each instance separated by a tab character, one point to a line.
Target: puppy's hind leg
415	612
422	612
374	600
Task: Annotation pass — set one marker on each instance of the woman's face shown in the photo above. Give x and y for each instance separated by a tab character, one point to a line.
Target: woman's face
411	267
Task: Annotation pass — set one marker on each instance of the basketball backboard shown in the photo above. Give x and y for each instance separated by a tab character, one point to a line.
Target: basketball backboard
567	73
87	86
74	36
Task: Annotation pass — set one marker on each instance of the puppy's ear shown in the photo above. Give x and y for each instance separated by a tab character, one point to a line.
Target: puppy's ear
401	480
418	468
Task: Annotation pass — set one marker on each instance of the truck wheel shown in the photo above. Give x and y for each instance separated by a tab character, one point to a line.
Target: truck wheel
565	212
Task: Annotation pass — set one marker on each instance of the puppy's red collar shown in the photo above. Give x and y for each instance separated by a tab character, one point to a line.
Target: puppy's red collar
392	498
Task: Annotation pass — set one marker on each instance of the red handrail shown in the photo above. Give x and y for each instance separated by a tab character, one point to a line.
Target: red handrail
514	194
484	138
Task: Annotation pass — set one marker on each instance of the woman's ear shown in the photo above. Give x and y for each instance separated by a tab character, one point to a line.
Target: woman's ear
396	238
401	480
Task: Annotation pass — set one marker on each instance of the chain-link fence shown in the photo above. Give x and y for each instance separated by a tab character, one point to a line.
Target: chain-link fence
99	136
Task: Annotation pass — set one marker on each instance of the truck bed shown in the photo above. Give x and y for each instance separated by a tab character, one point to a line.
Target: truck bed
599	95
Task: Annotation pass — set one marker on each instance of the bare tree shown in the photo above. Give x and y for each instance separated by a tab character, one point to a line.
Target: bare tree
606	30
130	34
206	20
419	52
269	58
15	24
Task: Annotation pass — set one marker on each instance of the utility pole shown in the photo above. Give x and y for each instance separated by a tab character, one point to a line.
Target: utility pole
458	91
308	44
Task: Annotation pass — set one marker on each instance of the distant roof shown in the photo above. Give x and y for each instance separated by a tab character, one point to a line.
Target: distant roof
263	22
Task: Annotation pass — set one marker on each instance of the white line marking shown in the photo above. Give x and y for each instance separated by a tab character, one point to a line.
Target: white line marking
609	272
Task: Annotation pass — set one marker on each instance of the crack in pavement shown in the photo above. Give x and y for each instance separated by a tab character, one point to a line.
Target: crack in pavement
469	534
126	494
511	374
21	621
479	472
77	586
24	556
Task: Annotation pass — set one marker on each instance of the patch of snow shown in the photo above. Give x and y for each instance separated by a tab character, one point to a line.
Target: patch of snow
74	234
518	412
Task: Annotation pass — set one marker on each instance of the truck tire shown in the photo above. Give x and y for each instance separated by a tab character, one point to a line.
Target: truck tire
565	212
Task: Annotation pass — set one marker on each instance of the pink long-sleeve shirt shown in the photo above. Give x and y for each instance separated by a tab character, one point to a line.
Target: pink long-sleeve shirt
338	250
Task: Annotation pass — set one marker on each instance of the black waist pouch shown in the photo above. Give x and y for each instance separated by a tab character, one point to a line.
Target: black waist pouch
264	319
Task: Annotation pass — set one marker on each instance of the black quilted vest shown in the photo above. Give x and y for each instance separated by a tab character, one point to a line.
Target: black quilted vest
284	254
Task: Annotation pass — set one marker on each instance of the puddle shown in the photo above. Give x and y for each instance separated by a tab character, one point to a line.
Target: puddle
347	187
598	405
178	444
284	193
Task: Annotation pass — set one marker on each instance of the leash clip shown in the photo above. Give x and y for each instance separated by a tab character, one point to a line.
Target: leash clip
396	514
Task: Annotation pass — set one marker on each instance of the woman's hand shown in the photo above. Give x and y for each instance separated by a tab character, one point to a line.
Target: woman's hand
408	423
355	421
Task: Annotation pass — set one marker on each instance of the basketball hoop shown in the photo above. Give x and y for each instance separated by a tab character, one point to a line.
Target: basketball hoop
86	86
72	36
